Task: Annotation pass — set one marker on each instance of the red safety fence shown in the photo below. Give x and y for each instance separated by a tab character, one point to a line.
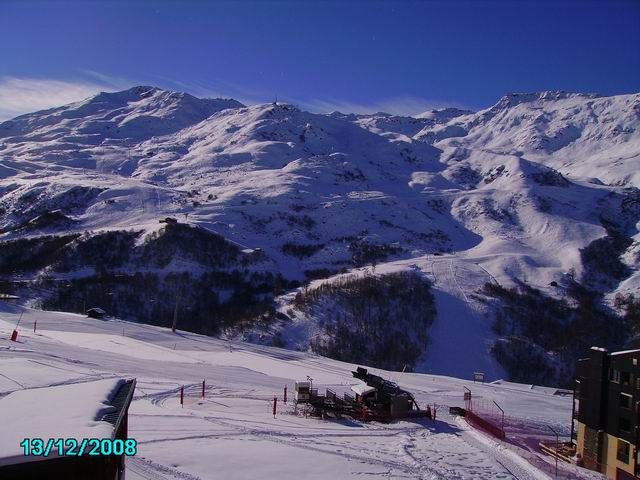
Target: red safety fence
485	425
523	436
485	414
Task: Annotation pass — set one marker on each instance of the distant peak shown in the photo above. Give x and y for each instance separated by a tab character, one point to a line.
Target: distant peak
140	92
451	110
513	99
143	90
134	93
277	107
444	113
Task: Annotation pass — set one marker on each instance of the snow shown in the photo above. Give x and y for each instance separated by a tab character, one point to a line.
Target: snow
67	411
448	181
625	352
231	431
362	389
461	320
118	344
581	135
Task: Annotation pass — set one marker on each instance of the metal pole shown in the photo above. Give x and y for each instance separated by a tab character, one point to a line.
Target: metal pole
557	445
502	412
182	395
401	373
175	315
19	320
467	400
573	412
635	453
202	388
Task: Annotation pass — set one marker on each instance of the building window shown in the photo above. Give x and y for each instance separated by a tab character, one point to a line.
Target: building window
577	388
614	375
623	451
625	378
624	424
625	400
635	362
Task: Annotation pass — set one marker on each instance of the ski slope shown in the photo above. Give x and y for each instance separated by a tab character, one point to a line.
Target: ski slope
231	433
461	320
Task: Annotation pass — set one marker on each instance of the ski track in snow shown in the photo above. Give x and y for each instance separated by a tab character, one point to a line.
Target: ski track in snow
458	327
514	467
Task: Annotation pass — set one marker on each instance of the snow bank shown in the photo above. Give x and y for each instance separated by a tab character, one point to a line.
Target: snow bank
68	411
119	344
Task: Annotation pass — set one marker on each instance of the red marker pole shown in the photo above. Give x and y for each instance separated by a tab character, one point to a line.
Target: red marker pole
35	324
14	334
275	404
202	388
285	394
182	395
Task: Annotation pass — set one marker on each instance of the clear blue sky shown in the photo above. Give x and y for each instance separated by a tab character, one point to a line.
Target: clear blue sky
345	54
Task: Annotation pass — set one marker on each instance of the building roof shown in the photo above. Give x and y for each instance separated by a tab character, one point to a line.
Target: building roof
362	389
625	352
8	296
80	410
120	402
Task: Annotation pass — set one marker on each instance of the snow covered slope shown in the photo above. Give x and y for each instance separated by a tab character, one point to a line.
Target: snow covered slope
232	434
511	193
461	322
583	136
136	114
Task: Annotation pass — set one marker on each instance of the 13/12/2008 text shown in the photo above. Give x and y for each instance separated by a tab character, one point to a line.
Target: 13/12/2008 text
71	447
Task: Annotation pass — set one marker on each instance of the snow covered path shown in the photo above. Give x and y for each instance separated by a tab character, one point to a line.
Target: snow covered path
231	432
459	328
461	336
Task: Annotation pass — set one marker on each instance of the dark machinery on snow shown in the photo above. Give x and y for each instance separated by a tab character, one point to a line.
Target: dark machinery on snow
375	399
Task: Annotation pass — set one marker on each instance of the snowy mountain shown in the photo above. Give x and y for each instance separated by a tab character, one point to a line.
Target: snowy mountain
136	114
537	190
583	136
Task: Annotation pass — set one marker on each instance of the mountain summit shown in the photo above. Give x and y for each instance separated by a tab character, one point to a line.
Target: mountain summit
135	114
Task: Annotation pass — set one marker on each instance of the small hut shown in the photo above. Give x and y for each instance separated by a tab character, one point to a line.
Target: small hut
96	313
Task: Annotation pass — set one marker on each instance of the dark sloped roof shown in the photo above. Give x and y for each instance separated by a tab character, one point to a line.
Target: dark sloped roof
120	401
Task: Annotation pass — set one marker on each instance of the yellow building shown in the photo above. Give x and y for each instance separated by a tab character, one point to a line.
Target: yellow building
608	395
